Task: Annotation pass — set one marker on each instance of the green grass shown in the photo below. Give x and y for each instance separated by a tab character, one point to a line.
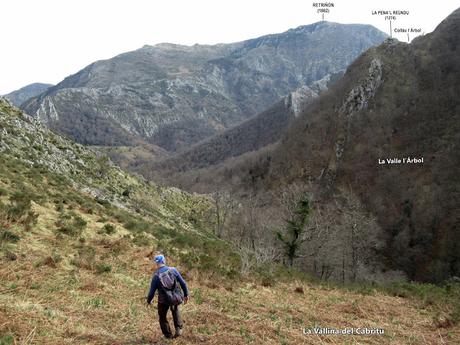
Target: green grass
430	295
7	340
8	236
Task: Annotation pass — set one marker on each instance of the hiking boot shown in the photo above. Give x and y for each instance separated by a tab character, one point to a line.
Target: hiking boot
178	332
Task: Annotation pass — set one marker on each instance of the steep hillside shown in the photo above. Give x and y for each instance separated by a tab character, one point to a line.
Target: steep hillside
405	106
396	101
23	94
173	96
53	189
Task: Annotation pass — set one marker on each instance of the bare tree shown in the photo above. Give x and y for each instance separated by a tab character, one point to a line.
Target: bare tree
361	232
224	206
252	220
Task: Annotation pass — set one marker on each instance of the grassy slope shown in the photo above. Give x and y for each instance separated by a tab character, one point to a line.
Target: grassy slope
67	277
63	306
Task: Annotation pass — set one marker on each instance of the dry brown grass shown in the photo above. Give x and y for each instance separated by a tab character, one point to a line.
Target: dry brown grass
46	299
42	304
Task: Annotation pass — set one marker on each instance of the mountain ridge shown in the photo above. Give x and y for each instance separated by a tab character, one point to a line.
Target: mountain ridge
19	96
172	95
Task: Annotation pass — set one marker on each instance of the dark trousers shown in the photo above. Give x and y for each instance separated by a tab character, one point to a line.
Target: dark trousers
163	312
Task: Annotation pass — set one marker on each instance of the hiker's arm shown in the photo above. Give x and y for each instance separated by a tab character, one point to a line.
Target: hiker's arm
182	282
153	288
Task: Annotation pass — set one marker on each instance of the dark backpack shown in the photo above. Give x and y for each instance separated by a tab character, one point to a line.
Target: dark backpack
171	288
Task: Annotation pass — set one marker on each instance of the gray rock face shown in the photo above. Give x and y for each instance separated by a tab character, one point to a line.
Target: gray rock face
357	100
173	96
301	97
23	94
253	134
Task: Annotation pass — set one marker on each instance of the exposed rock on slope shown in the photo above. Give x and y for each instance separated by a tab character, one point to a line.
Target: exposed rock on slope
396	101
173	96
25	142
259	131
357	100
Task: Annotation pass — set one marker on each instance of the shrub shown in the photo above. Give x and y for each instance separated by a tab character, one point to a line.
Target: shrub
141	240
108	229
79	222
70	224
137	225
103	268
160	232
20	209
59	207
7	340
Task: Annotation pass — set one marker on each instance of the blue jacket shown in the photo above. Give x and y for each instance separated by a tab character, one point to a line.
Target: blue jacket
156	284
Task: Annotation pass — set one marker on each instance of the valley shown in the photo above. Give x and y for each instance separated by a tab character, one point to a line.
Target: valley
305	183
77	236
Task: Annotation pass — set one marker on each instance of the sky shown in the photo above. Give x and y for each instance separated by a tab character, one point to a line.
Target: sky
47	40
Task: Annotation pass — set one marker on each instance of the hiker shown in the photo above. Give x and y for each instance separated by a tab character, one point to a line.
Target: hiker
165	280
